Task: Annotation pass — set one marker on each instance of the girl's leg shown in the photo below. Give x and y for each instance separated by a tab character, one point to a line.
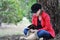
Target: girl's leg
26	31
43	33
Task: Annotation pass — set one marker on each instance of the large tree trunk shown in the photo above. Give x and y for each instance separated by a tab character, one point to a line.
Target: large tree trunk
51	6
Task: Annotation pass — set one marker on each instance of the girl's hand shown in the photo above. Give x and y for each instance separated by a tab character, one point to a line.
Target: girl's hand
33	30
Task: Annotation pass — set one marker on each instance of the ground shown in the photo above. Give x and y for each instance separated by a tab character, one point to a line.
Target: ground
13	32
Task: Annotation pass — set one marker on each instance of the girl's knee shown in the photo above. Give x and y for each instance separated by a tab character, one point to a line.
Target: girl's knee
40	33
25	31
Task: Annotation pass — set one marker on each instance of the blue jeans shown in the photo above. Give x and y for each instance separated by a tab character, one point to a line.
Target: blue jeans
41	33
26	31
44	34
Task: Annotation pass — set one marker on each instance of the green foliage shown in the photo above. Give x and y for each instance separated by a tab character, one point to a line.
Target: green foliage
25	6
12	11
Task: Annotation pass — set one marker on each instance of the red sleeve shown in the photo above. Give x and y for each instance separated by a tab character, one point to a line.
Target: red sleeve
33	19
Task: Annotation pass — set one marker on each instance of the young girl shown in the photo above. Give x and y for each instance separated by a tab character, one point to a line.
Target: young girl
42	23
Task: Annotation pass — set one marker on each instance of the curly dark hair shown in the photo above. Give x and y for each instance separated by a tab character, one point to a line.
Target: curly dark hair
35	7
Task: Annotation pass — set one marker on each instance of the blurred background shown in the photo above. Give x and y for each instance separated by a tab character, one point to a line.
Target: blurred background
15	15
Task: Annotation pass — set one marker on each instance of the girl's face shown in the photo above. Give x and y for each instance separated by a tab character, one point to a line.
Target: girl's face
38	12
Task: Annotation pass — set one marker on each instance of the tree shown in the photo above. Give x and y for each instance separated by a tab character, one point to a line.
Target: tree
51	7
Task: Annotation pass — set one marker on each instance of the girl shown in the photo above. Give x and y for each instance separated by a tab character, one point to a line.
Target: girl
41	20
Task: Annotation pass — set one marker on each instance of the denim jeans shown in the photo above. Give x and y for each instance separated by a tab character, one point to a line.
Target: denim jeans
44	34
40	33
26	31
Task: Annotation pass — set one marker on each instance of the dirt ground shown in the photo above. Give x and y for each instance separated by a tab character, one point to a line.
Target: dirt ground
14	32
